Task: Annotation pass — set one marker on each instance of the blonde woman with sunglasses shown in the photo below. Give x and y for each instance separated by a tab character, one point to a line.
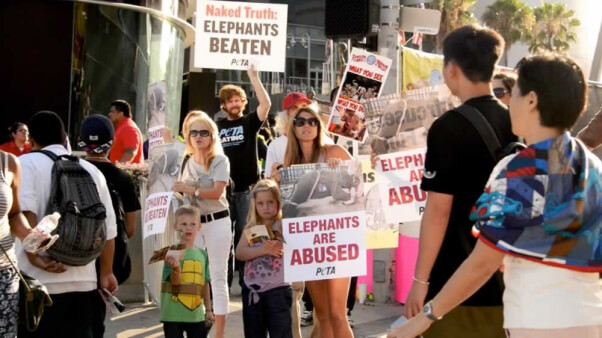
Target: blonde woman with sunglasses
203	180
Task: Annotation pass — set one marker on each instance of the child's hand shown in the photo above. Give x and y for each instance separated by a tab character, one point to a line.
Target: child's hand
209	316
273	248
334	162
173	263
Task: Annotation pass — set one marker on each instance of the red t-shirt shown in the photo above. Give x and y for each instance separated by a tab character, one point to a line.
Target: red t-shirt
127	136
11	147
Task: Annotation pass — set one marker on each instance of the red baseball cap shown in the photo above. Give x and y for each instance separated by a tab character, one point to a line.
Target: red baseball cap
293	99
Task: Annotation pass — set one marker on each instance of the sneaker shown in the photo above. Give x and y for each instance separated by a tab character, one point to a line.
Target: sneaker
350	320
307	319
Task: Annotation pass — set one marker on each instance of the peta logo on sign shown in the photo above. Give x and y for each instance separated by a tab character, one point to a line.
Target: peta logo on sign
371	60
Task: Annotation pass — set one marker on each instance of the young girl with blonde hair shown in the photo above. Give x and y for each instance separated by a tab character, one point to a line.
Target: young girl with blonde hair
267	299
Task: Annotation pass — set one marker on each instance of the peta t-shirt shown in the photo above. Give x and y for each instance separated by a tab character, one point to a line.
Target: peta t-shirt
458	163
187	305
239	139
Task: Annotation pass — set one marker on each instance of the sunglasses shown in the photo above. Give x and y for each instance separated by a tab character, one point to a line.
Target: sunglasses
202	133
300	121
500	92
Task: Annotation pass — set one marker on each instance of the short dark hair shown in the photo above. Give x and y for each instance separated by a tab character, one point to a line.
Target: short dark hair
475	49
46	128
507	80
560	86
14	128
123	106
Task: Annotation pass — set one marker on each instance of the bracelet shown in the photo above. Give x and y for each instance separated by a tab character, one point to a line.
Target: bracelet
421	281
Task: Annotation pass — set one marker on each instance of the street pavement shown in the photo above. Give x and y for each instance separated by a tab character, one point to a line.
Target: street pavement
142	320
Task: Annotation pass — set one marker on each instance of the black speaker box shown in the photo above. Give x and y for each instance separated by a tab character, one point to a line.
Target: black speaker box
352	18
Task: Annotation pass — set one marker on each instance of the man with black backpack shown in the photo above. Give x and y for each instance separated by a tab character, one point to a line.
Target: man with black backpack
96	139
458	163
54	181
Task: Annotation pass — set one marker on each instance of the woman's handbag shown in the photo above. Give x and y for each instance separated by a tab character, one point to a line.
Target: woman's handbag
33	298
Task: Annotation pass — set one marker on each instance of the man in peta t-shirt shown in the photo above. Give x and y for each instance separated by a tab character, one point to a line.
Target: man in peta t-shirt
238	134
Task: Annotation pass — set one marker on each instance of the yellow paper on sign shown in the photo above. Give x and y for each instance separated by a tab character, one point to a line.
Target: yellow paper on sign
379	235
420	69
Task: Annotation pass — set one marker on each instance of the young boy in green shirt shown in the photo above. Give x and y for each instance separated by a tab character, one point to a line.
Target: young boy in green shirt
185	282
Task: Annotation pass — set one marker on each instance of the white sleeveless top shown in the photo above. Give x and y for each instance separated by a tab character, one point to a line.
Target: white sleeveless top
6	200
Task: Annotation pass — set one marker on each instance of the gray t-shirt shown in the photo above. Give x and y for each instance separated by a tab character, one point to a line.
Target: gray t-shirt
195	175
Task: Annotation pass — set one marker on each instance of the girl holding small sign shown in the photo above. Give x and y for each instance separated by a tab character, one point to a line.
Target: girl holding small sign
267	299
306	144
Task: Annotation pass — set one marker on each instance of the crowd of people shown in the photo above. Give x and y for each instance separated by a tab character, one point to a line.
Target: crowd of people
528	268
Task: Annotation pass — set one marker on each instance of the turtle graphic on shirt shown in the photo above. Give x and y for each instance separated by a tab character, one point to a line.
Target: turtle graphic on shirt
190	290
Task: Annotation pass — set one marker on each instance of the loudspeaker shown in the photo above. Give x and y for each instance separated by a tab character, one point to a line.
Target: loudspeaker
352	18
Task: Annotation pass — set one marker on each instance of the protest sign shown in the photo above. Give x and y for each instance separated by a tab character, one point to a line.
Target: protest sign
155	136
156	211
363	79
235	35
420	69
399	176
400	122
157	103
379	234
319	197
324	247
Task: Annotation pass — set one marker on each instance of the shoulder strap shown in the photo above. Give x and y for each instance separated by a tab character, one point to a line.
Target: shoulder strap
4	167
483	126
50	154
184	161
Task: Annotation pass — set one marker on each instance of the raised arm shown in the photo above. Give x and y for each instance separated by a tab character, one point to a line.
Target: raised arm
262	96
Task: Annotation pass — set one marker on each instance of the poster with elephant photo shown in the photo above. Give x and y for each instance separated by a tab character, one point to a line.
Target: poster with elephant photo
318	189
401	122
324	221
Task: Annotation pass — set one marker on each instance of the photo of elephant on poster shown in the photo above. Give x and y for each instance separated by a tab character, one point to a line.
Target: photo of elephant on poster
317	189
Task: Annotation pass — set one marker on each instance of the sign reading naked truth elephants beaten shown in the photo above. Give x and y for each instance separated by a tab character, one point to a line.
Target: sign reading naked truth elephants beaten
156	211
324	221
236	35
399	176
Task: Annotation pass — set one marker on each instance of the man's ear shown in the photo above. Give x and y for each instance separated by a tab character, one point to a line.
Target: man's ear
533	100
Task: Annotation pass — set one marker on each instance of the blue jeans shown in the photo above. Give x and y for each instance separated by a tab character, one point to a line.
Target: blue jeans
239	209
272	314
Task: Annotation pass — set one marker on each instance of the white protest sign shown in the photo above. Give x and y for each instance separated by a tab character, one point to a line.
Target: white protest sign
399	176
155	136
235	35
324	247
156	210
363	79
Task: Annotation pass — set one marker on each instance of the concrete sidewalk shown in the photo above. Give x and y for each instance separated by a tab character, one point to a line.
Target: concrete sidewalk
139	320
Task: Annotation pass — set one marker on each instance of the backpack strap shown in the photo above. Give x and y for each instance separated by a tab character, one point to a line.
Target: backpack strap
54	157
484	128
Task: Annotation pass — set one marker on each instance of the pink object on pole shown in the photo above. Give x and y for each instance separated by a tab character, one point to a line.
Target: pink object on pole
367	279
406	255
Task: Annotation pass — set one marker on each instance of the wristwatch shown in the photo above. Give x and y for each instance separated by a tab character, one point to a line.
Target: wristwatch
197	191
428	312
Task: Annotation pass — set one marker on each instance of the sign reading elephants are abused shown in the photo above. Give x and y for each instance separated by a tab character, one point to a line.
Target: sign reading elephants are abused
324	221
235	35
399	175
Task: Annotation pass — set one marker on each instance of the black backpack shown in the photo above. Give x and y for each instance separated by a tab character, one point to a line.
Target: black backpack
82	228
122	264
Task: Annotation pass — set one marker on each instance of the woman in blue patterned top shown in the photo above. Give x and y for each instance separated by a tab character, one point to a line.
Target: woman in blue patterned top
540	216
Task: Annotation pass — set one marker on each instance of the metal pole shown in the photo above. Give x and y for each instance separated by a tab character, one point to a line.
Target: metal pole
388	41
308	61
596	70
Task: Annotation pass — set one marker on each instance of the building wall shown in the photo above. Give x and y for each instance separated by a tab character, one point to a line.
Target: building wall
35	39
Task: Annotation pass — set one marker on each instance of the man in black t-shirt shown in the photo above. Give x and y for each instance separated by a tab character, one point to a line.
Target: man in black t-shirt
238	134
96	139
457	166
